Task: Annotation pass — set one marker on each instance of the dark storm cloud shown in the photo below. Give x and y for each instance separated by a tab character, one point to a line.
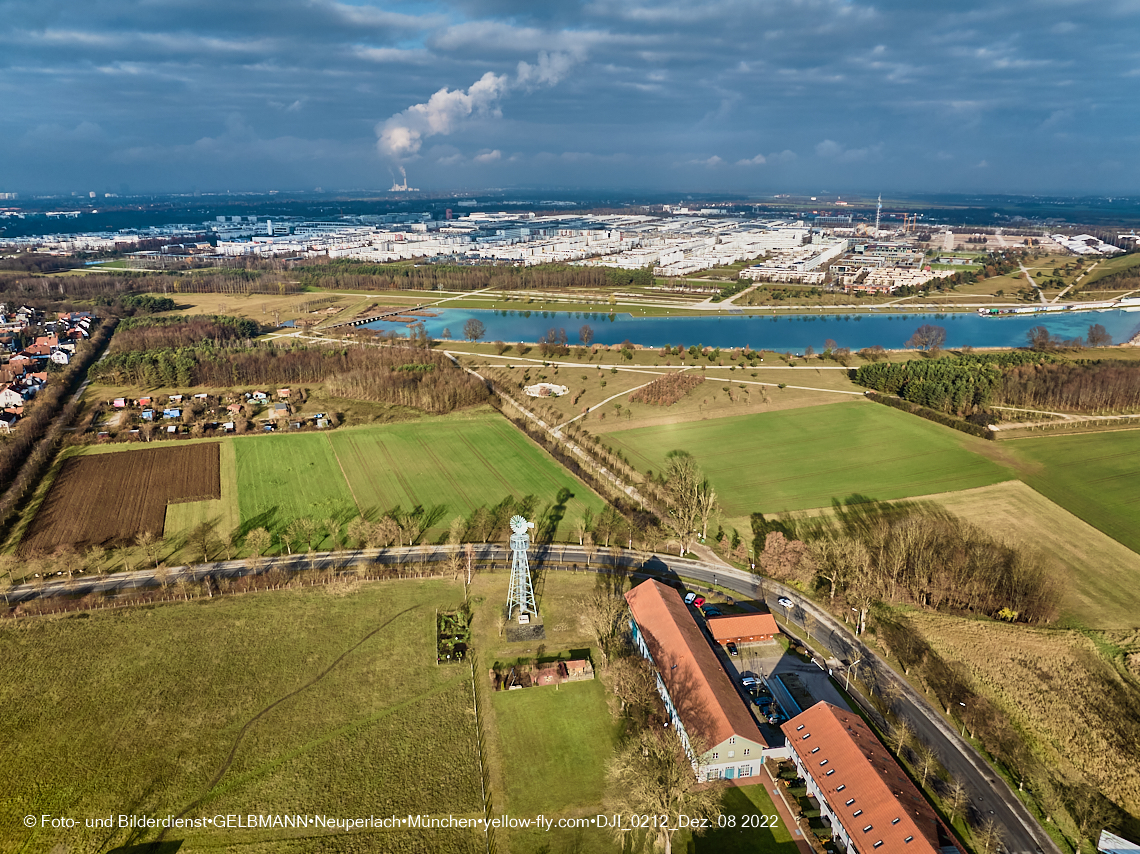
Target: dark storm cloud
1027	95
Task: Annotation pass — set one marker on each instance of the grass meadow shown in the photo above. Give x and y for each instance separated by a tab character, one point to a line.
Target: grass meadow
803	458
454	463
1068	699
577	734
460	462
1096	477
324	703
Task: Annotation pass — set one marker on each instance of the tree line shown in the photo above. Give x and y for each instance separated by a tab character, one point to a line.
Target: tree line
907	552
157	333
399	375
25	454
967	384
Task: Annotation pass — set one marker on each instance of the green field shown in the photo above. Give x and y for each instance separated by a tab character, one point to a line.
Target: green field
281	478
803	458
460	463
577	734
136	711
451	465
1095	476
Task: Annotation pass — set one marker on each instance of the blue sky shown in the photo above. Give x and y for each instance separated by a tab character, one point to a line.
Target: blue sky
748	96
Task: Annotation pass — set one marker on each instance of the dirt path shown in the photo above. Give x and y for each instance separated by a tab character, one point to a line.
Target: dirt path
241	733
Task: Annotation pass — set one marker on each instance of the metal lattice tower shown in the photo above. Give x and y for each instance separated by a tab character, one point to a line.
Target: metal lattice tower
521	592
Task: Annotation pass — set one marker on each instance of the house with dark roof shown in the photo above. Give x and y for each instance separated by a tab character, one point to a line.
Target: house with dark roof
711	718
870	803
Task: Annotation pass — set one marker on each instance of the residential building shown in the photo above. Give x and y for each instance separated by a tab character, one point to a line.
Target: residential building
870	803
703	705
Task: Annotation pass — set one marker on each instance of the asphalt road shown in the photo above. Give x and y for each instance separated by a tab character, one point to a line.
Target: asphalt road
990	796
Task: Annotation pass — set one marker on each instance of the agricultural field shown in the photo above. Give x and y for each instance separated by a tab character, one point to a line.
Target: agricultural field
107	499
303	701
448	466
1095	476
803	458
458	464
221	514
1065	691
284	477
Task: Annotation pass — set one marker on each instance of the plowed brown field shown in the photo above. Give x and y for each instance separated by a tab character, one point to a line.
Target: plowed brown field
110	498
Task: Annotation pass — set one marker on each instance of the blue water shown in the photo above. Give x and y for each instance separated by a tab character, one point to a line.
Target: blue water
782	333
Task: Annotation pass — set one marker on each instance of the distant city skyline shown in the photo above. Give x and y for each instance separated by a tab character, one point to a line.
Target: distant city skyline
826	96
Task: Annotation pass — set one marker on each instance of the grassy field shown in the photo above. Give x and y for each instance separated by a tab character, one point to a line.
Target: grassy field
453	464
136	711
1073	707
281	478
577	735
1096	477
1094	564
803	458
460	462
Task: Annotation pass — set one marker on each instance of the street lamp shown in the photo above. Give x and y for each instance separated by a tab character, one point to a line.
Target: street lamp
851	667
963	705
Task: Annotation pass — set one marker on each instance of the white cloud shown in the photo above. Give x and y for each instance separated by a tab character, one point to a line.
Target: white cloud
758	160
402	135
832	150
488	156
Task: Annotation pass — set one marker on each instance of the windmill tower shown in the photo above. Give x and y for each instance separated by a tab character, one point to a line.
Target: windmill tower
521	592
878	214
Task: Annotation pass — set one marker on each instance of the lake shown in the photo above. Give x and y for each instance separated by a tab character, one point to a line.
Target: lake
782	333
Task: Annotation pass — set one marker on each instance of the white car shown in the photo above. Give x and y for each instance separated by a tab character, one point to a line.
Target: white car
786	602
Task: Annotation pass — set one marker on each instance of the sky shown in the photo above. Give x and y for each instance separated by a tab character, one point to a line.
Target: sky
736	96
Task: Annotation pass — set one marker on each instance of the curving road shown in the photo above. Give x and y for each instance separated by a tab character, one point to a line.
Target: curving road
990	796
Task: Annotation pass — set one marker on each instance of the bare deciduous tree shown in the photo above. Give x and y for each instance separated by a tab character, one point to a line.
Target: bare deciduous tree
651	775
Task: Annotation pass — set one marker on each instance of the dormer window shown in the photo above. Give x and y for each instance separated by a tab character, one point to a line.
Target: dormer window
850	801
815	750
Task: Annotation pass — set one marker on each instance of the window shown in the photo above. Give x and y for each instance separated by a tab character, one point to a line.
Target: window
732	739
801	726
850	801
857	813
805	735
830	771
815	750
841	787
896	821
747	751
908	839
877	844
716	756
824	762
869	827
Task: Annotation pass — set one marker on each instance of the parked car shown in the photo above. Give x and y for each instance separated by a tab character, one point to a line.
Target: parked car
786	602
689	597
712	611
731	647
700	600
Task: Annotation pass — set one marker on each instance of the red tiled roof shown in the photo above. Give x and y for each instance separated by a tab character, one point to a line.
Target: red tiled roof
704	696
742	626
885	798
